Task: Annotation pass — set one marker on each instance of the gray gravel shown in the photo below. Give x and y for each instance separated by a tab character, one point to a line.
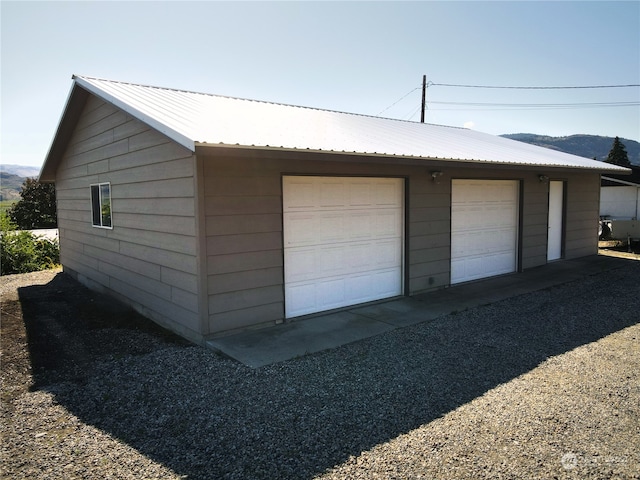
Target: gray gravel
545	385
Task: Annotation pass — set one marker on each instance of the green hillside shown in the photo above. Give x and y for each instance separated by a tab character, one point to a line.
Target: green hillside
10	186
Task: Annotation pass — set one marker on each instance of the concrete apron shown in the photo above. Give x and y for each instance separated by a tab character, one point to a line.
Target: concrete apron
266	346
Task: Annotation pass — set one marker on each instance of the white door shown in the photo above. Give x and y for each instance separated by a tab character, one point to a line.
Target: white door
343	241
554	235
484	228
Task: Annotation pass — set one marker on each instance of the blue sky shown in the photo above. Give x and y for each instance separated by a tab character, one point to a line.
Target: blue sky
359	57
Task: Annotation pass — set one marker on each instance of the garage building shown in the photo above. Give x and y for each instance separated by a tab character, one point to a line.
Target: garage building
211	214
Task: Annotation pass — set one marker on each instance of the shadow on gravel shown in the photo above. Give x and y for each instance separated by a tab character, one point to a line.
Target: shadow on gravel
204	416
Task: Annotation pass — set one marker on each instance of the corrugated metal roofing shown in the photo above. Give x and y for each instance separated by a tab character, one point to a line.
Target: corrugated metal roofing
195	119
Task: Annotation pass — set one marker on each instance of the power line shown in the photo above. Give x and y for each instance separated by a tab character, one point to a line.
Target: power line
542	105
530	88
397	101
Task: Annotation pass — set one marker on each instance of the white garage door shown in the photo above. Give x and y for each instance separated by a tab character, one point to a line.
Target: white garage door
484	228
343	241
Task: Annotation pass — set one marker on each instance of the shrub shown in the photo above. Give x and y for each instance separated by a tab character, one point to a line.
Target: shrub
22	252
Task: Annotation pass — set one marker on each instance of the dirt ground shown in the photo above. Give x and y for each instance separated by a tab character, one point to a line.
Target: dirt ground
46	336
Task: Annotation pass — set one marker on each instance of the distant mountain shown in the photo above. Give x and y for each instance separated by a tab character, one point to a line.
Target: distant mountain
589	146
20	170
10	186
11	179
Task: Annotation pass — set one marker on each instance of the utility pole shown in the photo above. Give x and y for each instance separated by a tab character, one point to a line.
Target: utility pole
424	95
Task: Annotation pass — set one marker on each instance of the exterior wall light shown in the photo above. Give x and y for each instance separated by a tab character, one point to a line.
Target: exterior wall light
435	176
543	178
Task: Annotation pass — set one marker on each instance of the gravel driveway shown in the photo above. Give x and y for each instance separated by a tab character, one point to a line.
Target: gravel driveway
544	385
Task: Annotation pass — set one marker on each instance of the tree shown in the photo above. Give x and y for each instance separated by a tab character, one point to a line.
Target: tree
618	154
37	207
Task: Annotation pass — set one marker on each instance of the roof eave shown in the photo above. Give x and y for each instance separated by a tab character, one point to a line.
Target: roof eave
605	167
173	134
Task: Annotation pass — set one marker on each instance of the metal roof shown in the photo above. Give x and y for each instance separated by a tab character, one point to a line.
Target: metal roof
197	119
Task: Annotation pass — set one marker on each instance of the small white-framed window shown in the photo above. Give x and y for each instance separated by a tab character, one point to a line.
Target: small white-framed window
101	205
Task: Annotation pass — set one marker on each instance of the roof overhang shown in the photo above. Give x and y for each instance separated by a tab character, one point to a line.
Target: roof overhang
204	122
204	148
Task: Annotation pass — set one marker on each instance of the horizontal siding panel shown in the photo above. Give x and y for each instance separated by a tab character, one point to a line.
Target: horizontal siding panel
98	167
179	168
429	255
245	317
163	308
95	110
537	219
246	298
429	241
239	262
158	223
88	138
243	186
184	299
90	143
138	280
95	238
180	244
129	129
102	153
239	224
535	209
76	172
75	215
87	263
169	188
250	242
152	206
532	241
242	205
75	183
432	282
145	269
153	156
429	269
231	282
536	230
147	139
429	228
164	258
81	205
439	200
429	214
176	278
73	193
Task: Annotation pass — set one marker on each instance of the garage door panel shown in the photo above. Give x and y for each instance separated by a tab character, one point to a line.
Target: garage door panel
346	246
484	219
332	193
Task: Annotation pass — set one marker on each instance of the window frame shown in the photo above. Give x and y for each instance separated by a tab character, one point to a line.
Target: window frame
98	201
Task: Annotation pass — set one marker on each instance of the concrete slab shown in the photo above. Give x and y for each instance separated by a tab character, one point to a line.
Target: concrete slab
257	348
266	346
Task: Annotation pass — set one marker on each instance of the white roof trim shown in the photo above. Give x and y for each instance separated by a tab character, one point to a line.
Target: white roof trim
139	114
204	120
623	182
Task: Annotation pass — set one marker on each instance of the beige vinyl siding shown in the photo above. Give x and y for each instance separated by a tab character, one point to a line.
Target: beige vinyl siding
535	211
149	258
243	208
582	214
